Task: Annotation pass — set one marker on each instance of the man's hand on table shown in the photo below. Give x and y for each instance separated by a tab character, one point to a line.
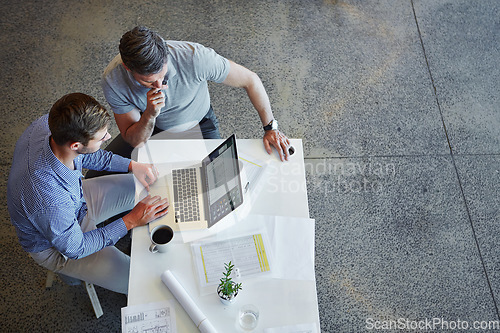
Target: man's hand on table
145	173
147	210
279	141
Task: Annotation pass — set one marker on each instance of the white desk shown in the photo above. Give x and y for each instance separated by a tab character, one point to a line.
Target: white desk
281	302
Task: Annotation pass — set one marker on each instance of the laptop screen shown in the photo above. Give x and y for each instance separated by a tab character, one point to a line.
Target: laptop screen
223	183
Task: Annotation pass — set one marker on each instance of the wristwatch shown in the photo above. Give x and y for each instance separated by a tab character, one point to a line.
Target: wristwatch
273	125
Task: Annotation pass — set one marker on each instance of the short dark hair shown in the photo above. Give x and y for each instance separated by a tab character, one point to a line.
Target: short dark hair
143	51
77	117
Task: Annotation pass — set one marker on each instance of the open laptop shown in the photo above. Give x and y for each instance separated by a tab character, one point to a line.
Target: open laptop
202	194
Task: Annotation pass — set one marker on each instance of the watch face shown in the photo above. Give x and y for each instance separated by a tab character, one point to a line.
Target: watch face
274	125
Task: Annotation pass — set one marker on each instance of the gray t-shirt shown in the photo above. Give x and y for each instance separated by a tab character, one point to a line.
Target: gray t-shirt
189	67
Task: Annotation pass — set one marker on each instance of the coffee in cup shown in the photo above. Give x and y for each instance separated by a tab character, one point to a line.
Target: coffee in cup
161	235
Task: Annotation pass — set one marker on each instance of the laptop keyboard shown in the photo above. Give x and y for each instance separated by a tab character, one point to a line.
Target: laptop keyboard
186	195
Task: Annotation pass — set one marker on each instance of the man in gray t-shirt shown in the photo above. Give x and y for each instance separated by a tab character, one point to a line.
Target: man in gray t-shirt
155	86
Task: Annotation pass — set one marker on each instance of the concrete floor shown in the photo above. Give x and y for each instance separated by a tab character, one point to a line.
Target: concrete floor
396	103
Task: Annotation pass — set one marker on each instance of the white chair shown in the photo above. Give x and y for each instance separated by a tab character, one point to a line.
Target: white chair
73	282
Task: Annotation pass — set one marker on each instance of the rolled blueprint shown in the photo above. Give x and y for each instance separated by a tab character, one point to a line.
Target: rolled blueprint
199	319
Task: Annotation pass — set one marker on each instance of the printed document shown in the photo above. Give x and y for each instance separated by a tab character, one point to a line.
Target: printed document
152	317
250	256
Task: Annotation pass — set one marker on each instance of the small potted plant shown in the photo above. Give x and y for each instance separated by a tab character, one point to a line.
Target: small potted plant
228	289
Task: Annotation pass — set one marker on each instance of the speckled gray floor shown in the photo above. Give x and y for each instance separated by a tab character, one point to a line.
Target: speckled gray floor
397	105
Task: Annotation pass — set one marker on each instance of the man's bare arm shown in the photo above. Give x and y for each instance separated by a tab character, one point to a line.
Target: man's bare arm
242	77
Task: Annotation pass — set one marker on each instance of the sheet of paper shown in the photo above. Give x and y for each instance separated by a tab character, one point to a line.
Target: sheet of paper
301	328
151	317
292	251
249	254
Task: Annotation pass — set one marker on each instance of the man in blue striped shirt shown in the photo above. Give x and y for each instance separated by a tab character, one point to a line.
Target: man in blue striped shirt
55	211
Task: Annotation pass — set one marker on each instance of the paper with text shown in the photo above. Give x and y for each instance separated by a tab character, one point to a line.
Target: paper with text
249	254
152	317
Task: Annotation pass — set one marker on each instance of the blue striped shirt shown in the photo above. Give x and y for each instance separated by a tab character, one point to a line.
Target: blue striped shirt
45	198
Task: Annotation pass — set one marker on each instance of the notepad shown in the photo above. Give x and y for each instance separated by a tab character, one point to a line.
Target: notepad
253	169
250	256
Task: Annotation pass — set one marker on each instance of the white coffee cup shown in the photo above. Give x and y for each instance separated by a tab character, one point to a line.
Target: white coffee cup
160	236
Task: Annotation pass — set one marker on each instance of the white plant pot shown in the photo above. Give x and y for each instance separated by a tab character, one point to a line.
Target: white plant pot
225	299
